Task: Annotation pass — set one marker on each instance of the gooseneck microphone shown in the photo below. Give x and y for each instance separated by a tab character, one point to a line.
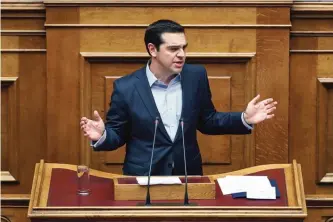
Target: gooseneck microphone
186	201
148	203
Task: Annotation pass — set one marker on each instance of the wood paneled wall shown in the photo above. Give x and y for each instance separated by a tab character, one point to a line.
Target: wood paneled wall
23	94
59	60
311	103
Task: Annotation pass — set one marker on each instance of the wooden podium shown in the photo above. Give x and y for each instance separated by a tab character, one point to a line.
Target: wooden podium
54	198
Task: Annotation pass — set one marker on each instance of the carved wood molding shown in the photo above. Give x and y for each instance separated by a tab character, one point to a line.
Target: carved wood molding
312	33
326	80
311	51
316	201
312	6
312	10
7	5
24	9
22	32
7	177
138	56
169	2
23	50
6	81
328	178
15	200
184	25
22	15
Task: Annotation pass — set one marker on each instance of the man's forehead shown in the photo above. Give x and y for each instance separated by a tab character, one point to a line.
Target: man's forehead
177	39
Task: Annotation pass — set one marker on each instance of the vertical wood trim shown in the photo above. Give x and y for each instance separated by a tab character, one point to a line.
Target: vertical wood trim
290	190
36	186
39	182
85	109
301	185
322	127
13	112
297	181
33	189
321	122
250	93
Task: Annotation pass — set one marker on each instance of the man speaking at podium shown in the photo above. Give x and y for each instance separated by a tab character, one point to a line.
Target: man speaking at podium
161	94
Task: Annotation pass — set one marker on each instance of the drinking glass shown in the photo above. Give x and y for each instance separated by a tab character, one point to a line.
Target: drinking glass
83	180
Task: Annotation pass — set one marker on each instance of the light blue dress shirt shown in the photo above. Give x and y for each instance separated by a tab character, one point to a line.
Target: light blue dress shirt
168	100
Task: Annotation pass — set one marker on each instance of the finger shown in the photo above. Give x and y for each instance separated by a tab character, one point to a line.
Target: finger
267	101
270	116
84	120
85	131
97	116
84	123
270	105
255	99
271	110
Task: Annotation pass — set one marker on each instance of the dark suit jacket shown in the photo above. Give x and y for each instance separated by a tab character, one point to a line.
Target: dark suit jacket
132	114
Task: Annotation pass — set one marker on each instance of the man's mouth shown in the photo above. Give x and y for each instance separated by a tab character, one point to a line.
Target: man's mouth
179	64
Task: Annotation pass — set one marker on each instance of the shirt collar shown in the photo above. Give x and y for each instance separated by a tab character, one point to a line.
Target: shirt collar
152	78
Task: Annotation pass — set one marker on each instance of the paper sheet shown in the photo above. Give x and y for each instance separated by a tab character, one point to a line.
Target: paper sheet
255	185
158	180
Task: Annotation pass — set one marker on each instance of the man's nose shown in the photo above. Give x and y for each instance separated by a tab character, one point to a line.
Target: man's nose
181	53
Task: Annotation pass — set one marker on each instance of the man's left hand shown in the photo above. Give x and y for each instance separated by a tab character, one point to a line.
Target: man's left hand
257	112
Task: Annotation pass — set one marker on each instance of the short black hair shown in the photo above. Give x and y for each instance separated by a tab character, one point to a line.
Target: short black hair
155	30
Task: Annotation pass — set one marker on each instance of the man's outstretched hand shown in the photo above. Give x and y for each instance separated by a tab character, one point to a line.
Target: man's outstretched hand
258	111
93	129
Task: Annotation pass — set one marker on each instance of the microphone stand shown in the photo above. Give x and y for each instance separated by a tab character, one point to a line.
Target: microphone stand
186	201
148	203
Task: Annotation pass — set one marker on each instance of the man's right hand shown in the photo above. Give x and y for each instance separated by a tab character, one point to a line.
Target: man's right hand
93	129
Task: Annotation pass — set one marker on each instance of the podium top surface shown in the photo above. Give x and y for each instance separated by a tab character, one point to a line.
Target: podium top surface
54	193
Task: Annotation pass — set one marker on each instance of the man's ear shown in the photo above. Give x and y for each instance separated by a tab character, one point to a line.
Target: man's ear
152	49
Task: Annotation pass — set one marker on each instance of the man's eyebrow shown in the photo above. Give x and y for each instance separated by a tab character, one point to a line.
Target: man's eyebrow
178	45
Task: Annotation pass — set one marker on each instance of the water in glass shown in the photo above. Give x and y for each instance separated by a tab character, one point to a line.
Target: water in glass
83	180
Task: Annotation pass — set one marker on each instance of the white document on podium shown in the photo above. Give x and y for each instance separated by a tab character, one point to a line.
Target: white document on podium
269	193
158	180
237	184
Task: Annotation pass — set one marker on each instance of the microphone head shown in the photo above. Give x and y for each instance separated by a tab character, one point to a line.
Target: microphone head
181	120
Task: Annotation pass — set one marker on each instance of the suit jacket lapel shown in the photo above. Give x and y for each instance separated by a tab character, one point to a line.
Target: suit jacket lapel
147	98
